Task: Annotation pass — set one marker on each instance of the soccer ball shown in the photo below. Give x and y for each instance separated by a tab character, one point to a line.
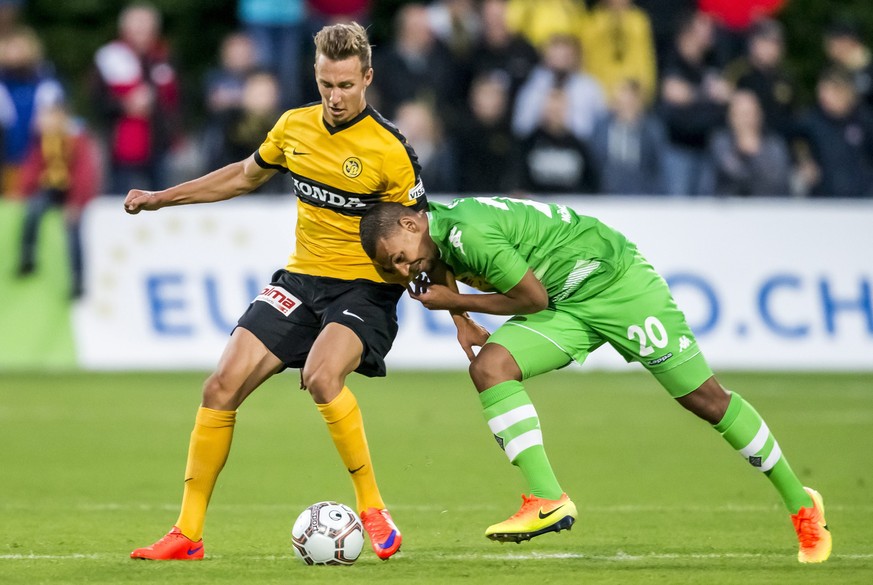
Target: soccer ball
327	533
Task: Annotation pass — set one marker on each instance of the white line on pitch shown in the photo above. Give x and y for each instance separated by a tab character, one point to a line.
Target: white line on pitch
610	509
619	556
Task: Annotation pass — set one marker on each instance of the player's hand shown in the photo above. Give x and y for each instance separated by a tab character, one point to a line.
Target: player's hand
137	200
433	296
419	284
470	335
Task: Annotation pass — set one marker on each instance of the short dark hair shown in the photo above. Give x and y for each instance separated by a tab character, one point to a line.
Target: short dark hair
379	222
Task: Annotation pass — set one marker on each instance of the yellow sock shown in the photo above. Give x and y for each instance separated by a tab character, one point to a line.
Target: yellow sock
346	426
207	452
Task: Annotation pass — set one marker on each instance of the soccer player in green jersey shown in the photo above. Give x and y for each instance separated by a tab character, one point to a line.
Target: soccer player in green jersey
572	284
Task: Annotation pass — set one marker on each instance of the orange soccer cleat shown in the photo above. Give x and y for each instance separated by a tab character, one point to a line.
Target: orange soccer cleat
812	531
174	546
536	516
385	538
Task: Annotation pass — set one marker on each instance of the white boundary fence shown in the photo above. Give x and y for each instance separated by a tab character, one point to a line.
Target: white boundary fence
765	284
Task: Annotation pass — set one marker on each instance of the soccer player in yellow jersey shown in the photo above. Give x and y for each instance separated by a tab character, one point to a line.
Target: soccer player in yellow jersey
328	312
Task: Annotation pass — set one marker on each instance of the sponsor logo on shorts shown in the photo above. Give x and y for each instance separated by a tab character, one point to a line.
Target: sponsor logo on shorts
279	298
661	359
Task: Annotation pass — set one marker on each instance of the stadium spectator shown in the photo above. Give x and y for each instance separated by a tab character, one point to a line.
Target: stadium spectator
749	159
484	144
137	94
665	17
763	72
540	20
417	66
628	146
325	12
835	145
694	96
559	68
343	157
62	168
277	29
26	86
844	46
573	285
10	16
553	159
618	45
223	86
734	20
239	131
417	121
499	49
456	24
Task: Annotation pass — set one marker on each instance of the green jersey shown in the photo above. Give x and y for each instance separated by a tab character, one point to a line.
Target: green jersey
490	243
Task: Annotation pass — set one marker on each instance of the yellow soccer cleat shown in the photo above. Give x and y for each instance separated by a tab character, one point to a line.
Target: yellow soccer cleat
812	531
536	516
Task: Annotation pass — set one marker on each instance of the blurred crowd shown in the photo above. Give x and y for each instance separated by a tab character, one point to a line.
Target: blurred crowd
655	97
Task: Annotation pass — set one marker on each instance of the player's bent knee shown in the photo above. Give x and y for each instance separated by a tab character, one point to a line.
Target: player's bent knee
493	365
709	401
220	393
321	383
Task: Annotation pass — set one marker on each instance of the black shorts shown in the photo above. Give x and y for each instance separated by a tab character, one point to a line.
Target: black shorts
290	313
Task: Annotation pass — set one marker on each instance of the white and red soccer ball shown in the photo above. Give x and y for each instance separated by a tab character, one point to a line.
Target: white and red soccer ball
327	533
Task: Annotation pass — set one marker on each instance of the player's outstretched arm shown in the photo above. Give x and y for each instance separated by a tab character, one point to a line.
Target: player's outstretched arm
224	183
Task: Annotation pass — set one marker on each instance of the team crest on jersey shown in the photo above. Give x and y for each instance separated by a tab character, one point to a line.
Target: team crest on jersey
352	167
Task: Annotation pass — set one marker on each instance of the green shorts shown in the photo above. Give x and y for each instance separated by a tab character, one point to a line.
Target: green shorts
636	315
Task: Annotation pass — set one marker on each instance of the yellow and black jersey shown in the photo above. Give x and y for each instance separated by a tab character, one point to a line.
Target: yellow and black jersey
338	173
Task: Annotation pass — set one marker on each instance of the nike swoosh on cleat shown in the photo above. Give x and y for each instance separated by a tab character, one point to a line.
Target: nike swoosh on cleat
547	514
353	471
192	551
346	312
390	541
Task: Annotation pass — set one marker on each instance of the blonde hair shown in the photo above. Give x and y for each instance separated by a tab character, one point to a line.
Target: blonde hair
341	41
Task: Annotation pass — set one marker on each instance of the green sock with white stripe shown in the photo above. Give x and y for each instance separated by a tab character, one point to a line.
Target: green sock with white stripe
747	432
513	419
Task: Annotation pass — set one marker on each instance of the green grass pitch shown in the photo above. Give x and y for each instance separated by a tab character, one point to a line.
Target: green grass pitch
91	467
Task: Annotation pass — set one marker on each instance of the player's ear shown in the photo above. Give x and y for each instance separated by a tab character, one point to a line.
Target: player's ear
408	223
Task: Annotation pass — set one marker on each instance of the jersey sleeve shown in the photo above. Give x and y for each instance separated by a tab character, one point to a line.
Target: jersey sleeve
403	177
271	154
489	254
